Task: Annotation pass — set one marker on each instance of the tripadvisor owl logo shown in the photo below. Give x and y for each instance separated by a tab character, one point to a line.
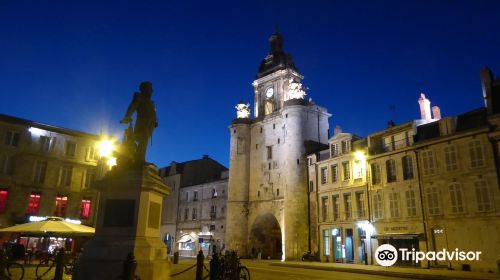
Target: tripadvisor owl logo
386	255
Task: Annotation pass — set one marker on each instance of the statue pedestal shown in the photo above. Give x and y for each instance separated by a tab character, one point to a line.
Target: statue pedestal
128	220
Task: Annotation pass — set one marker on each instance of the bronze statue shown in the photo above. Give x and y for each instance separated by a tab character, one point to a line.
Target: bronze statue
145	121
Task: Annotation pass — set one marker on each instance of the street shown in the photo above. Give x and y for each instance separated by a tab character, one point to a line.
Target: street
261	270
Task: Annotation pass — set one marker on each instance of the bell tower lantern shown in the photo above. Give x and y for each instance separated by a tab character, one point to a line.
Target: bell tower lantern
276	74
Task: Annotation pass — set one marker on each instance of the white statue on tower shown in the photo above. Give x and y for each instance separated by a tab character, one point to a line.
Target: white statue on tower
242	110
295	90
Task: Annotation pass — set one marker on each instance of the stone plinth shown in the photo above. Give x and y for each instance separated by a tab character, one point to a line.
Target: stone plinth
128	221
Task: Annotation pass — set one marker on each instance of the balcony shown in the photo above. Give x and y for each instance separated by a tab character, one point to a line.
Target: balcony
396	145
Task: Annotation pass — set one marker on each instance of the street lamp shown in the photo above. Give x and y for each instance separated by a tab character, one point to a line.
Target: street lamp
106	147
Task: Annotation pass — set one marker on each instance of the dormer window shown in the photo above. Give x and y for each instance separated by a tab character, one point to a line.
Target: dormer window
334	150
346	146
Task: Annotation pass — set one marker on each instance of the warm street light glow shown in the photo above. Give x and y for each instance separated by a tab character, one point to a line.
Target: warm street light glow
111	162
360	155
106	147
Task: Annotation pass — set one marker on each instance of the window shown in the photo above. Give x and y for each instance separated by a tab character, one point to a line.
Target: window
336	207
186	214
240	145
347	206
394	204
428	163
277	192
85	209
482	196
407	167
433	200
375	173
346	169
323	175
12	138
360	204
70	149
411	204
212	227
390	166
3	199
40	170
66	175
326	242
6	165
89	178
187	196
214	193
194	214
195	196
456	198
91	154
33	204
223	210
334	150
450	157
324	208
378	206
61	206
335	173
269	152
213	211
258	193
359	169
346	146
476	154
46	143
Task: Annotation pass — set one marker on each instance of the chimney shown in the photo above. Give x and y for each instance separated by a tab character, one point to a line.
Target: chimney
337	130
205	156
390	124
425	107
436	113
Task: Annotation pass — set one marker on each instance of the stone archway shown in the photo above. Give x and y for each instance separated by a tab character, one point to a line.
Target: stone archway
265	236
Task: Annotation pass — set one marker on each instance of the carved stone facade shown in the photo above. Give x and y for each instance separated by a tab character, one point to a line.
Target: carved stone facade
267	196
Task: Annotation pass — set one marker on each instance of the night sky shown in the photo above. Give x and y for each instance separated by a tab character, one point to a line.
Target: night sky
76	64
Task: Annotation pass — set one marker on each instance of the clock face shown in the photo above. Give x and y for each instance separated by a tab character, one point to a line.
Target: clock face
269	92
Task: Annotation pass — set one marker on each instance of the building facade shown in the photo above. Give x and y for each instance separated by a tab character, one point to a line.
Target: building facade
431	184
267	195
338	189
194	215
46	171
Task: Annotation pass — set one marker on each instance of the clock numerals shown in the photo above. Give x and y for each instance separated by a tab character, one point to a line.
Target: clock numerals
269	92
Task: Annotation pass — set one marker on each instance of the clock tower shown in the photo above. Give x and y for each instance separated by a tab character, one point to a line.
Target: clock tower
267	192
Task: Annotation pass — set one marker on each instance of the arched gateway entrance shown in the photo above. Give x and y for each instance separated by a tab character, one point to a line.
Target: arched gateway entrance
265	237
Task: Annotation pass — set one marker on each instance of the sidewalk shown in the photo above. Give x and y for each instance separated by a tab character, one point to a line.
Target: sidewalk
413	273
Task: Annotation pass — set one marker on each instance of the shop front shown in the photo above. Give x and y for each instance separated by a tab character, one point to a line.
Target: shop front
401	236
187	246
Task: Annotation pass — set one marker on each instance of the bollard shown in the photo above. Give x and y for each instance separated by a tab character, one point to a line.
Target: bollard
199	265
129	267
58	275
176	257
214	266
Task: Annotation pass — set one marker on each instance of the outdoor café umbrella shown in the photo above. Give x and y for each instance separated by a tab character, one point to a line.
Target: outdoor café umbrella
51	225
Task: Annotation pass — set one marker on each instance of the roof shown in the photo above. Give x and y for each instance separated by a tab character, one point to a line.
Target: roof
276	59
30	123
470	120
195	172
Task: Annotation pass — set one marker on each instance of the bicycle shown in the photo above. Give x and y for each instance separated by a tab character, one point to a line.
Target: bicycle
50	262
11	270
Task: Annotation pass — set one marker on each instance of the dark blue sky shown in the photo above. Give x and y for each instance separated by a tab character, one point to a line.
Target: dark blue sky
76	63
